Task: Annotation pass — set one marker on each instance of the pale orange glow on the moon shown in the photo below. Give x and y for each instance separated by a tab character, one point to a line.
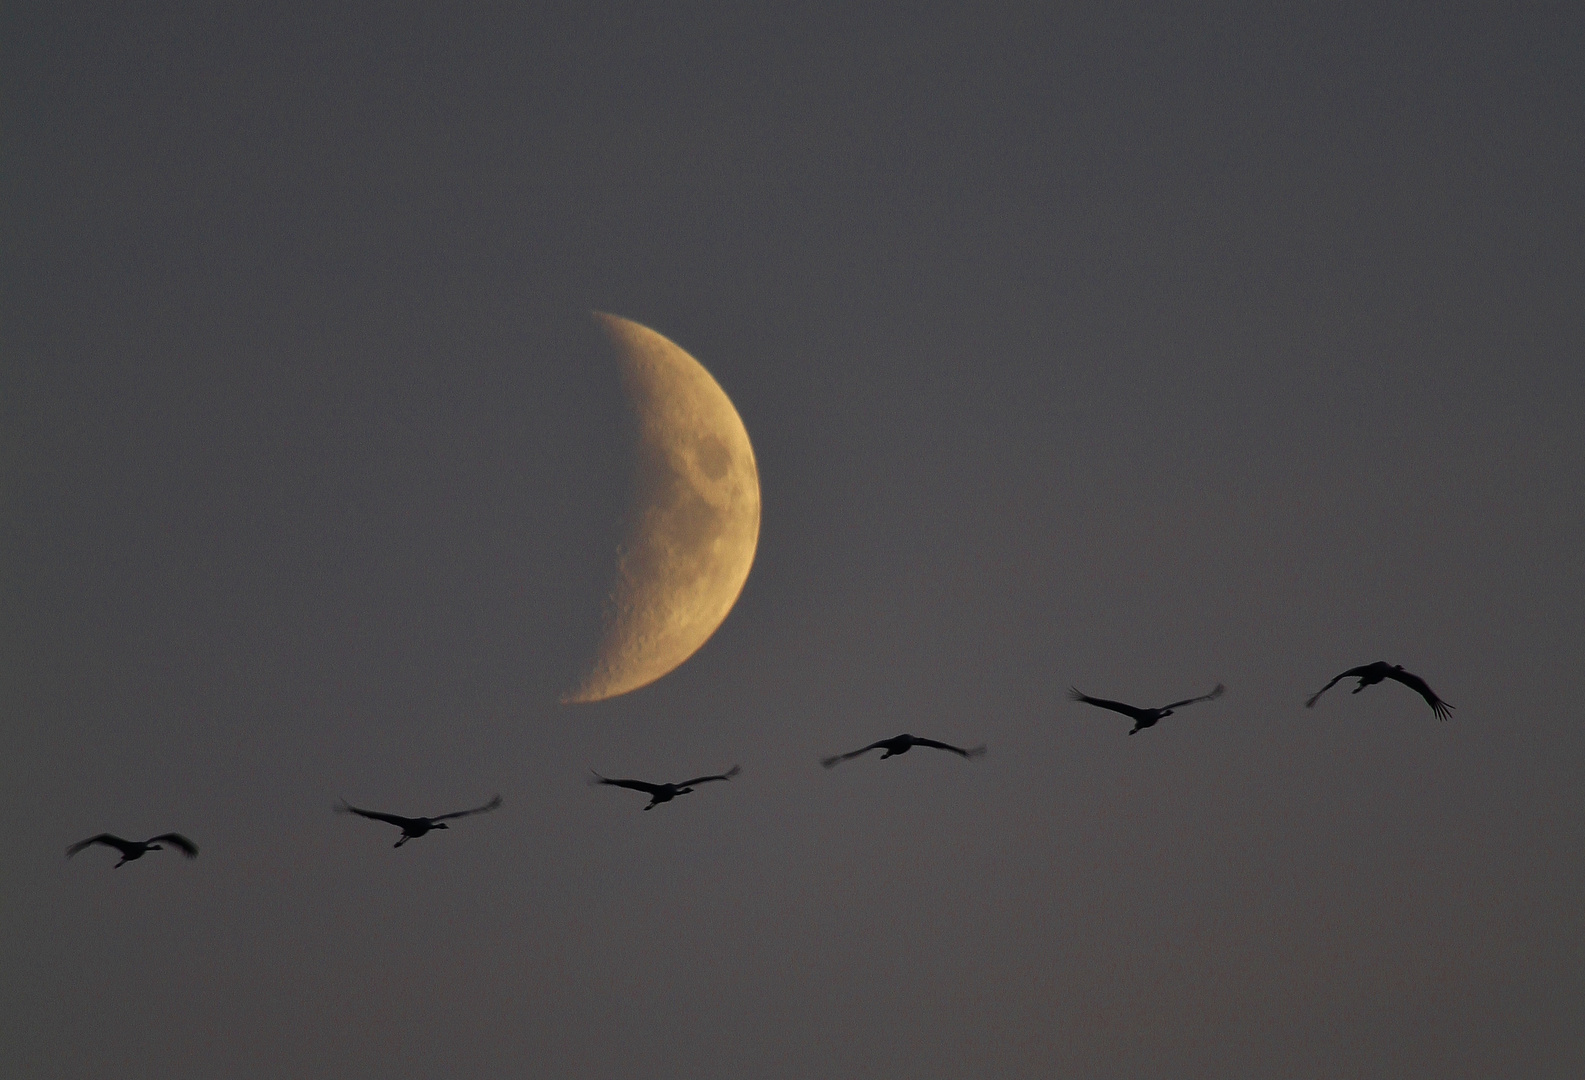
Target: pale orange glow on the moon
693	525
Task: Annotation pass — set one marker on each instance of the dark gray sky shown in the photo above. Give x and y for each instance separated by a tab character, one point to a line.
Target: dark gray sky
1135	348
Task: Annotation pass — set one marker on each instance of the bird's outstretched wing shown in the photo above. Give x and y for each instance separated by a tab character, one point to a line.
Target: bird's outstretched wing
187	847
635	785
344	807
837	759
1351	672
104	838
1212	696
1131	711
971	753
493	804
729	774
1421	687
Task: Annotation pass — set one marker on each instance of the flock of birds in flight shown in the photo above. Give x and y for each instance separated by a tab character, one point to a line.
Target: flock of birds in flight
414	827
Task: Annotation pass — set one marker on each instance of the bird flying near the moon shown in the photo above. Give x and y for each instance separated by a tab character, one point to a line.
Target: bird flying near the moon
692	523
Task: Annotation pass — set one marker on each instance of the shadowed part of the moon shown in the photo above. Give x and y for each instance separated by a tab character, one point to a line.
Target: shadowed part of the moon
693	524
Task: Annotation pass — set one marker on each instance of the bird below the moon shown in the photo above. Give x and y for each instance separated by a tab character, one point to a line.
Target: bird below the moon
1371	674
414	827
901	744
1144	718
659	793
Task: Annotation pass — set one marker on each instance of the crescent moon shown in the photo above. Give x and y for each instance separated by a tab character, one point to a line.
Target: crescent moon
692	526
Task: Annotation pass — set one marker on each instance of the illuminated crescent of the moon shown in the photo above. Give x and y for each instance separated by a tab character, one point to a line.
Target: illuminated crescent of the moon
693	523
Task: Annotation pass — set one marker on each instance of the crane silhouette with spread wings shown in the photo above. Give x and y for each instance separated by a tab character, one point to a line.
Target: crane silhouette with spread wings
136	849
1371	674
659	793
414	827
901	744
1144	718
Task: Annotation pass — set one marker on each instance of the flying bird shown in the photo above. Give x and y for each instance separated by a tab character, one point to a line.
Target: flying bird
1371	674
659	793
414	827
136	849
1144	718
901	744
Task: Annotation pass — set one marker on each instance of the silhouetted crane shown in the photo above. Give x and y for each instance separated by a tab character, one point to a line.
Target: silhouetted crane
1371	674
1144	718
659	793
136	849
414	827
901	744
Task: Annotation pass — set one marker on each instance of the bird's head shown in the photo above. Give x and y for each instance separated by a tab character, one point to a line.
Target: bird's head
684	791
440	825
156	847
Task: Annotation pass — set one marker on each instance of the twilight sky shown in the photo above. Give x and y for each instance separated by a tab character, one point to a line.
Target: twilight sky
1136	347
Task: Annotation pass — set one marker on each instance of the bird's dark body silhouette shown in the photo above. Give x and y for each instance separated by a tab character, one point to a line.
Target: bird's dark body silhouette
901	744
659	793
1144	718
136	849
414	827
1371	674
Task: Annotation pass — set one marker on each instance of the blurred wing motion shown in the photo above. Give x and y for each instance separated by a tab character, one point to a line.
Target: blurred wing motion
729	774
634	785
1353	672
493	804
837	759
344	807
123	846
187	847
1133	712
136	849
971	753
1212	696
